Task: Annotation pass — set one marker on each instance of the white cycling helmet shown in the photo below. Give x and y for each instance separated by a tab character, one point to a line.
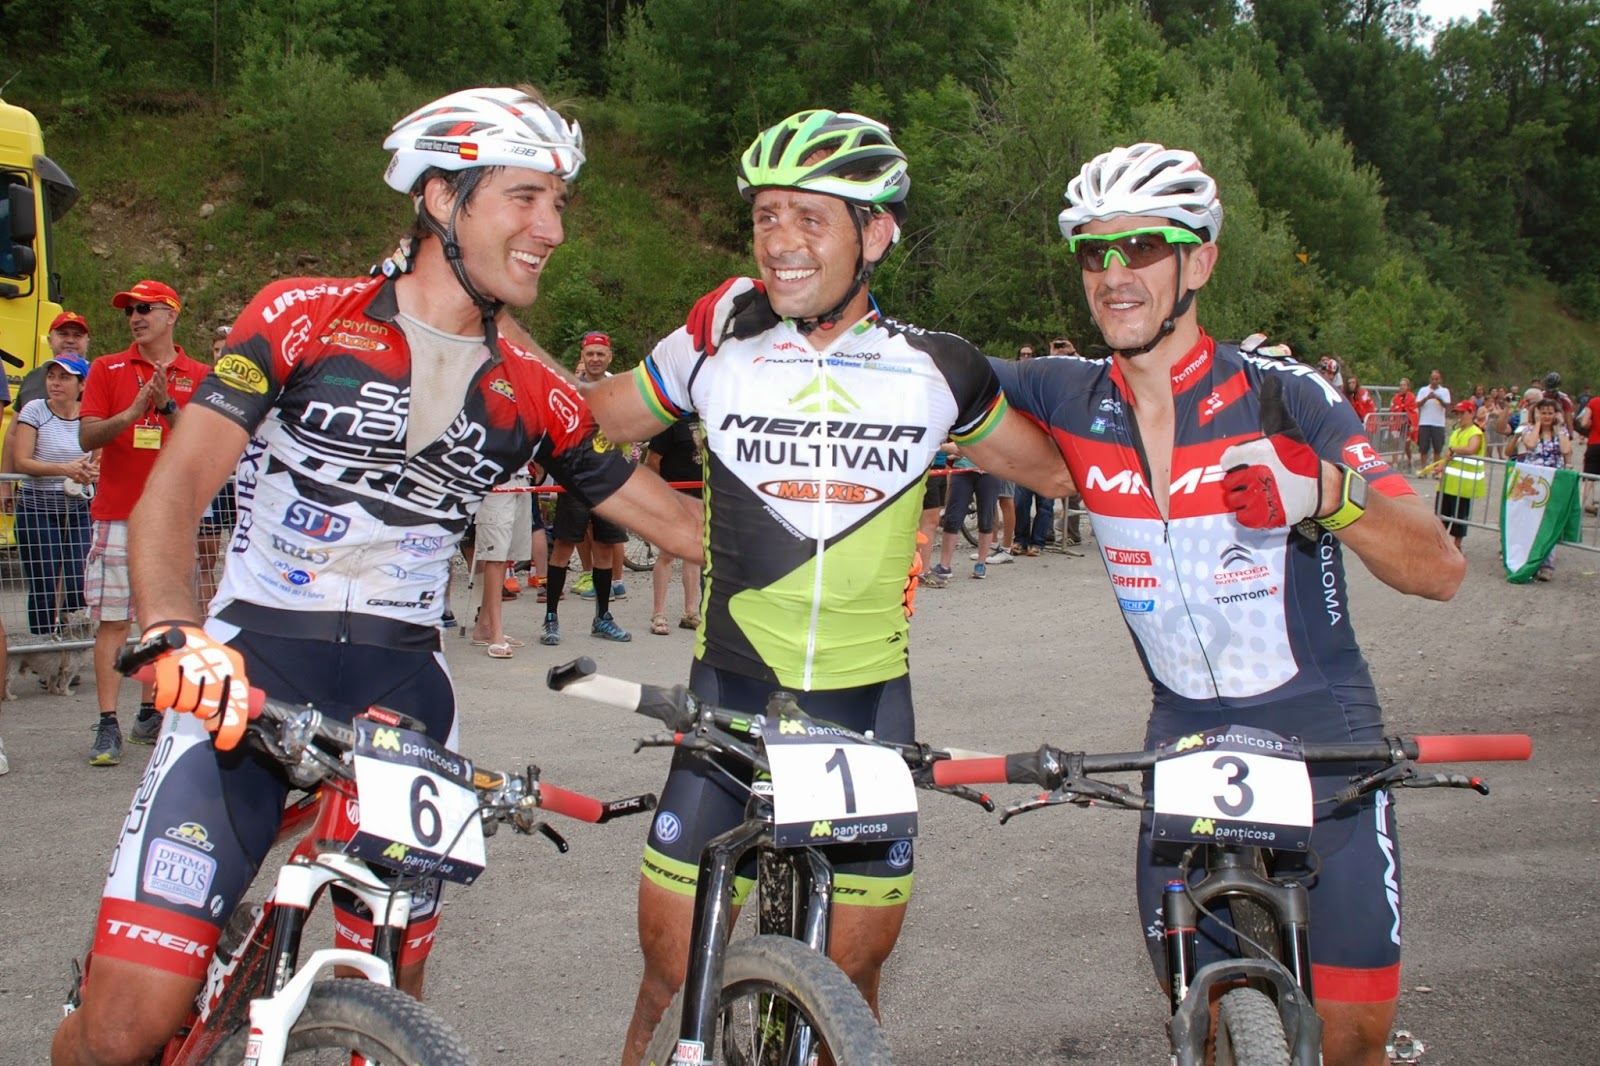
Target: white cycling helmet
482	128
1144	179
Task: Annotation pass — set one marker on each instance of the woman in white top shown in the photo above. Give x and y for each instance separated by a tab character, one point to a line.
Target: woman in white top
53	511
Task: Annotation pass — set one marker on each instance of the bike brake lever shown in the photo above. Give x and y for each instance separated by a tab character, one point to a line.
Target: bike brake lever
523	824
971	795
1401	775
655	740
1044	799
1446	781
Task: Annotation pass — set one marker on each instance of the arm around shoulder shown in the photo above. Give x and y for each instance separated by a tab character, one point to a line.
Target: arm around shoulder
1019	450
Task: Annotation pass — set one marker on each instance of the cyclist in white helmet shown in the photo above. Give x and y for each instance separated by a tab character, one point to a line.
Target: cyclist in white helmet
1225	483
364	420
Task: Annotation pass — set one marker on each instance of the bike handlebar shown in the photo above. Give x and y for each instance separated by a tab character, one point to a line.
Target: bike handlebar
287	731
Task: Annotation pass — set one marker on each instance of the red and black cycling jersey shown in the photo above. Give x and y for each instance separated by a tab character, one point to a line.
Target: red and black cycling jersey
1221	614
340	535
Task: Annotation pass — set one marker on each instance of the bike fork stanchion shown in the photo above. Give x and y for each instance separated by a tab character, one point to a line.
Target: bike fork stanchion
814	884
1179	918
713	909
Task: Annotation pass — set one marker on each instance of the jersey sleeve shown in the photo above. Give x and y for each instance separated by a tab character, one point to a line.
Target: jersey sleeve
568	443
1335	433
980	405
664	375
251	371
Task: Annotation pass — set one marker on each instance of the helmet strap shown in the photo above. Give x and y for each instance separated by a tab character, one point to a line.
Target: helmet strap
487	307
828	319
1180	307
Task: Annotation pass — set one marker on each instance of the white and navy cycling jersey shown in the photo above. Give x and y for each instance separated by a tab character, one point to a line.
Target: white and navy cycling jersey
1221	614
341	535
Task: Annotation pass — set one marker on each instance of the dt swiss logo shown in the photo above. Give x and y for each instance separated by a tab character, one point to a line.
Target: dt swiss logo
314	522
1127	557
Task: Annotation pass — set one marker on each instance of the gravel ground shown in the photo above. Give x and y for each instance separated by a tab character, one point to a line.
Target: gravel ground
1022	945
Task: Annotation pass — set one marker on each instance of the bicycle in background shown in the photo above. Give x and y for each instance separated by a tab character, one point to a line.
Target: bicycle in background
1235	795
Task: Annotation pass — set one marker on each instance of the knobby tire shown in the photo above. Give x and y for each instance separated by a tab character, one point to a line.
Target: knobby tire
343	1015
762	972
1249	1031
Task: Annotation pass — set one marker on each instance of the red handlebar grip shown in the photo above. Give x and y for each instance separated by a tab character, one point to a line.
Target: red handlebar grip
990	771
570	804
1488	747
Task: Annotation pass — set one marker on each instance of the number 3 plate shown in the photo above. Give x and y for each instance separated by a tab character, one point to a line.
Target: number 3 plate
832	786
419	813
1234	785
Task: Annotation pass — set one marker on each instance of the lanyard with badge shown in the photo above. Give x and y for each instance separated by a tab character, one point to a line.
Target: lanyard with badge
147	432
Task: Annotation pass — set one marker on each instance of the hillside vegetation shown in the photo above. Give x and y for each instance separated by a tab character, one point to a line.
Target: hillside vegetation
1401	207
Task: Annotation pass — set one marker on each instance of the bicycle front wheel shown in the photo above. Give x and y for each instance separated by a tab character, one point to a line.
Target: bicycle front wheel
780	1003
344	1015
1249	1031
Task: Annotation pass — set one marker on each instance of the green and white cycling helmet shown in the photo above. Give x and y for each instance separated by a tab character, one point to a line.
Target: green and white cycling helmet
862	165
482	128
1144	179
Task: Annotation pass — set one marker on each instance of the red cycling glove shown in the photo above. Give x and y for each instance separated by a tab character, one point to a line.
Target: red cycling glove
1275	480
737	308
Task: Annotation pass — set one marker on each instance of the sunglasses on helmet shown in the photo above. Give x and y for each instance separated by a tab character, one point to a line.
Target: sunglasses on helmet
1137	248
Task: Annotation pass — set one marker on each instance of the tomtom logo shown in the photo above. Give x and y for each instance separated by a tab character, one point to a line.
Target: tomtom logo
1252	594
565	408
314	522
1194	367
1123	581
1127	557
813	491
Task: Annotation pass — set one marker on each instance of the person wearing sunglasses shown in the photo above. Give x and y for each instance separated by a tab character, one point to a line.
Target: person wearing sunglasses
131	402
1225	485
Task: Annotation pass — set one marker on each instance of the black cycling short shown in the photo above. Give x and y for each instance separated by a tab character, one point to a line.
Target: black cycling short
1352	871
574	518
934	494
698	802
202	821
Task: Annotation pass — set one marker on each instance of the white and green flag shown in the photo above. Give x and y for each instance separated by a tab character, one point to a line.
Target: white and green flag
1539	508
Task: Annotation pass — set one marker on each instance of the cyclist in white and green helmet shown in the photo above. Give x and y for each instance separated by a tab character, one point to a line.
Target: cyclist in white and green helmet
821	417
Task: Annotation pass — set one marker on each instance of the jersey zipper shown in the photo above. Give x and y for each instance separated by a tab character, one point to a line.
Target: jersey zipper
820	525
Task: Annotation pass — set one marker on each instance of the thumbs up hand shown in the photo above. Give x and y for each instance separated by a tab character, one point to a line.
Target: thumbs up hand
1274	480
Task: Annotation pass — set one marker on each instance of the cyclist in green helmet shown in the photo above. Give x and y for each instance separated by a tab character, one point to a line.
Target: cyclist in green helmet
821	416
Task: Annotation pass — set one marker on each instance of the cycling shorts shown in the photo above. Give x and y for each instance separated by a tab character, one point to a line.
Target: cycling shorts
934	492
203	821
700	802
573	519
1352	871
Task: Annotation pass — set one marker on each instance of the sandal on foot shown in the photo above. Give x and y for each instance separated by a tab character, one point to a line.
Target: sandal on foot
500	650
689	621
512	642
658	625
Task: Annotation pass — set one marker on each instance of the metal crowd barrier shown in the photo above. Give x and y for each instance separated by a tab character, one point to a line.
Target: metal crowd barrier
1486	512
65	628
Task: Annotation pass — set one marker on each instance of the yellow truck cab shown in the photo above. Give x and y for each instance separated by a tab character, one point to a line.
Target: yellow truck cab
34	194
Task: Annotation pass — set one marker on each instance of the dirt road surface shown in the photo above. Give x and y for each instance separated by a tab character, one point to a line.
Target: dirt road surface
1022	944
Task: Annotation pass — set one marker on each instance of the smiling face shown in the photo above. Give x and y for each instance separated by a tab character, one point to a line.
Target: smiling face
507	229
154	327
1129	305
807	251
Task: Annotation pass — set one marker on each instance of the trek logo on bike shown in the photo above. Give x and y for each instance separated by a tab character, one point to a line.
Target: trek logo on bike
1233	785
435	831
830	785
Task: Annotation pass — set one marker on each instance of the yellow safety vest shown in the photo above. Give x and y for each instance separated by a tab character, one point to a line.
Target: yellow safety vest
1464	476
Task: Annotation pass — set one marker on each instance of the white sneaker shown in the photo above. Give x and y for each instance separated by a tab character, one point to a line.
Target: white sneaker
996	557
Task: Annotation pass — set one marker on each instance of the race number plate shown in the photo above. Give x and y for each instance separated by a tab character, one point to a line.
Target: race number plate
419	814
1233	785
832	786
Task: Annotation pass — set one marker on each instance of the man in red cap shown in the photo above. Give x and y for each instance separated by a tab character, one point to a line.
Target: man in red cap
130	404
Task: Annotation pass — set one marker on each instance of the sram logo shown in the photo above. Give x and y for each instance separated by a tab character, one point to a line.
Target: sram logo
812	491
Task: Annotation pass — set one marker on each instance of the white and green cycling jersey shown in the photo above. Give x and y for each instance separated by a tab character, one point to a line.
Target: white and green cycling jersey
814	471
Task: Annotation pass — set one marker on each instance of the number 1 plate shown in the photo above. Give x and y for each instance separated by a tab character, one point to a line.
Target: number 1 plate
1234	785
419	813
832	786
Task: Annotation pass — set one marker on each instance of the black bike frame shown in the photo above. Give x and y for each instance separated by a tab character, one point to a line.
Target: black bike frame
1231	874
714	912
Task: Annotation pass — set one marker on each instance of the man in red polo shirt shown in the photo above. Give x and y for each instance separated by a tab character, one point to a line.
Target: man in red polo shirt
130	404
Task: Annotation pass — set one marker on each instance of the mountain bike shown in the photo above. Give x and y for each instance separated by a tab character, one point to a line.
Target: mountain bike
1235	795
260	1001
775	999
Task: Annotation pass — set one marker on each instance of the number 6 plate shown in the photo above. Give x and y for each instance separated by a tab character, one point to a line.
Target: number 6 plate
1234	785
832	786
419	813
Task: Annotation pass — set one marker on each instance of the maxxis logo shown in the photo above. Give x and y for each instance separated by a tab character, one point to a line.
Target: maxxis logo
811	491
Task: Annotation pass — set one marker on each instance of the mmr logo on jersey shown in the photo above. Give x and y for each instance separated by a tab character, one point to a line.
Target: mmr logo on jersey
314	522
